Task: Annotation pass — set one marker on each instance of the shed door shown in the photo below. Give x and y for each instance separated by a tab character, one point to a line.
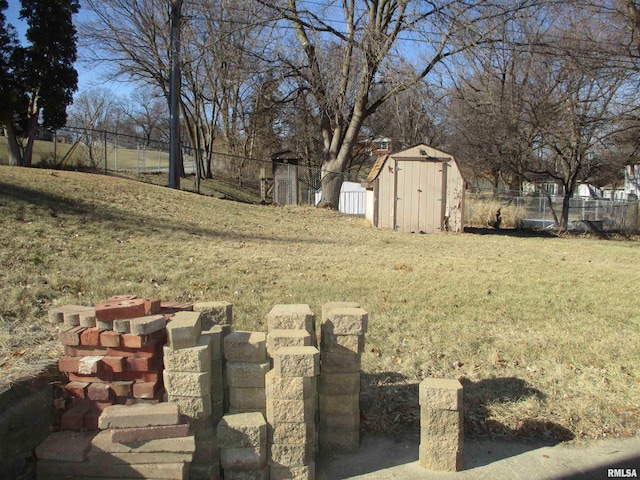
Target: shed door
419	197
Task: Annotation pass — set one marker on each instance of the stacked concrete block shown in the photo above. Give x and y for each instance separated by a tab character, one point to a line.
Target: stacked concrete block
441	424
113	354
292	404
138	441
247	364
190	357
243	446
215	313
342	343
292	317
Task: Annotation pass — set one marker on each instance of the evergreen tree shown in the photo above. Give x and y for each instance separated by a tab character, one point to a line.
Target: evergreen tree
38	80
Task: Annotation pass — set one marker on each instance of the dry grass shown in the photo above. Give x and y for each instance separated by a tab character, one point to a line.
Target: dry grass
481	213
543	332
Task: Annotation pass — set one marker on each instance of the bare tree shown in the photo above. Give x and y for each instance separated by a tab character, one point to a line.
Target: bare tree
353	57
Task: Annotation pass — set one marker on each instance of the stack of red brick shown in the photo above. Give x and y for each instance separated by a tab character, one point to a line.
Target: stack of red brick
113	355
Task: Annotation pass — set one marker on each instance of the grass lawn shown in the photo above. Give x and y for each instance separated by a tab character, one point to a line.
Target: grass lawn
544	333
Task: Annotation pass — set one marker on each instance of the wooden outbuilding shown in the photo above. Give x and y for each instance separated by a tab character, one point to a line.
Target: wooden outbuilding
285	177
420	190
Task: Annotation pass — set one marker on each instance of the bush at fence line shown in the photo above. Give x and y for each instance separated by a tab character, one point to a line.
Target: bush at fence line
482	213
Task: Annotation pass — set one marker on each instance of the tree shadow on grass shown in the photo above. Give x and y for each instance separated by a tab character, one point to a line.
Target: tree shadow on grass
390	412
122	219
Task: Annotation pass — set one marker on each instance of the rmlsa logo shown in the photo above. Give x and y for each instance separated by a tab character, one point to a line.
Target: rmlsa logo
622	473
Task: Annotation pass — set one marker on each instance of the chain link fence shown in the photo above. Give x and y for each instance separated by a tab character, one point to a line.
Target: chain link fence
541	212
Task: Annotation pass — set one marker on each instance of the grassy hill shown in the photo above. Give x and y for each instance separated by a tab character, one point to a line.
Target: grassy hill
543	332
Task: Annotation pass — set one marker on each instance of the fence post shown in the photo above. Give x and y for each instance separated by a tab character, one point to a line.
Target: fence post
105	152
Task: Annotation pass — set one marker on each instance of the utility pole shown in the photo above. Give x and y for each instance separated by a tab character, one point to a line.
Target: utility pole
175	158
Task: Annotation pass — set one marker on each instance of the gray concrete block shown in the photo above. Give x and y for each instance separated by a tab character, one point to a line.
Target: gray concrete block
291	317
183	331
191	359
297	362
245	347
246	374
139	415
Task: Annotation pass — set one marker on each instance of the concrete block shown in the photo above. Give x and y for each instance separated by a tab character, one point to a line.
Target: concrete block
291	411
291	317
261	474
205	471
90	365
139	434
214	313
346	321
336	421
100	459
187	384
69	312
65	446
330	305
87	318
441	394
339	405
339	383
141	415
290	388
245	347
306	472
169	471
247	399
450	441
339	439
341	343
445	423
293	433
242	430
246	458
147	325
332	362
287	338
440	459
183	331
122	325
297	362
191	359
102	443
289	455
207	449
215	335
246	374
192	407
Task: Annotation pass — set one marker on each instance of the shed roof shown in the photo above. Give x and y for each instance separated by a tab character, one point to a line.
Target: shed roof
377	167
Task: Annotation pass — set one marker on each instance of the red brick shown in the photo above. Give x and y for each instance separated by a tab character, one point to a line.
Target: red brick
146	389
145	364
109	338
137	376
144	434
77	389
153	348
119	298
90	419
71	336
152	305
73	419
99	392
68	364
134	341
115	364
105	376
122	388
90	337
84	351
119	310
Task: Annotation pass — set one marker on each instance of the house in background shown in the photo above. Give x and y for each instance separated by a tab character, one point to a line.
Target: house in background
419	189
632	181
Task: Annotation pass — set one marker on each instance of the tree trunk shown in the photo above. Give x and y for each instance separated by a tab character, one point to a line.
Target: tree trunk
331	184
564	217
15	157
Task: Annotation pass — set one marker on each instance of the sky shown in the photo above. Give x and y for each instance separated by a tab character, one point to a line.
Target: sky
88	75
